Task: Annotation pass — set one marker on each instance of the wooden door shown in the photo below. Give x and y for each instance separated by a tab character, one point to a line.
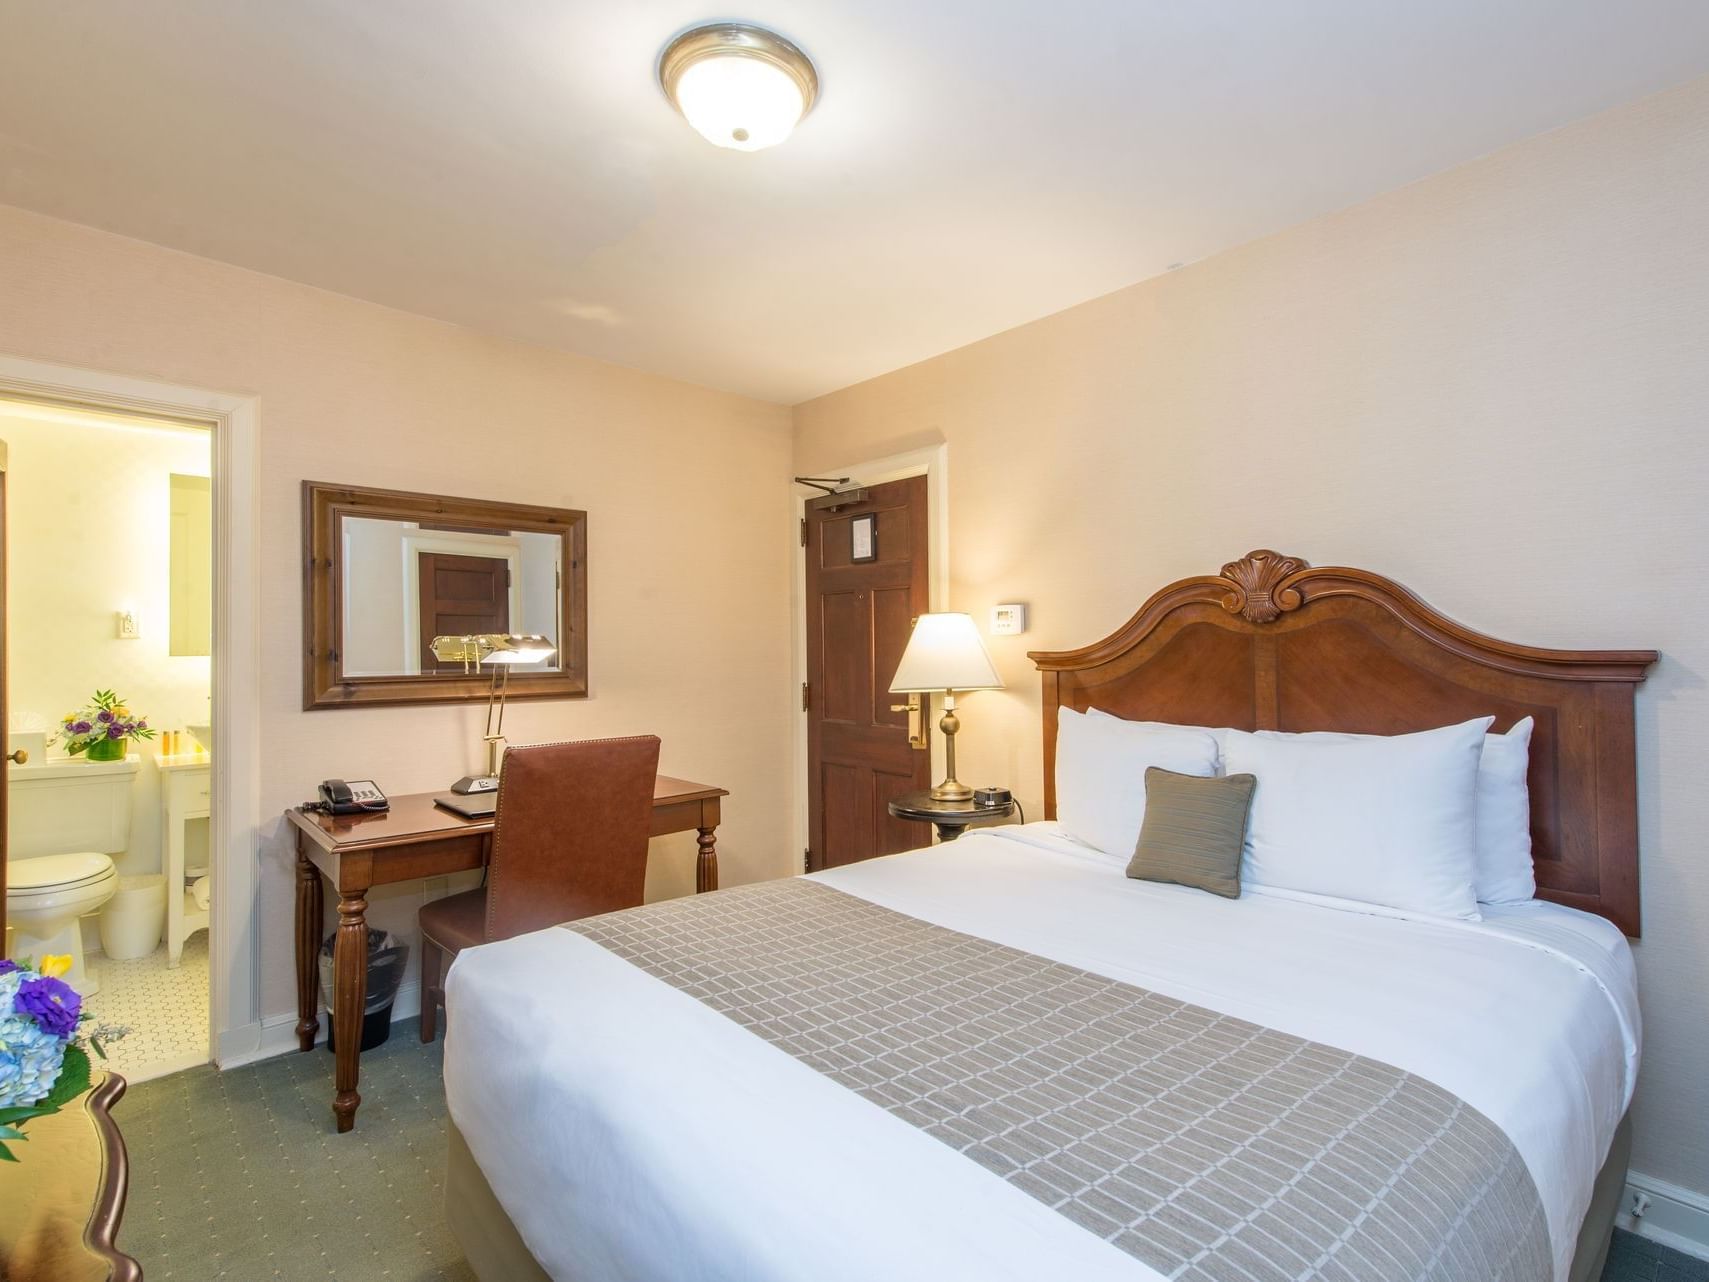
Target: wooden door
858	617
461	596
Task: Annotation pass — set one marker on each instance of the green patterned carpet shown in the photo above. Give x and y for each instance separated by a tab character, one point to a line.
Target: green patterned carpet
240	1176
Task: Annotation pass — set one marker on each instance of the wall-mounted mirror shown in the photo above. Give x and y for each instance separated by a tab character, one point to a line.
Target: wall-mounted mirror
388	572
191	568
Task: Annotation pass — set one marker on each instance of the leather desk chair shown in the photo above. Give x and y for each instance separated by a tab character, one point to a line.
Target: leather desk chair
569	841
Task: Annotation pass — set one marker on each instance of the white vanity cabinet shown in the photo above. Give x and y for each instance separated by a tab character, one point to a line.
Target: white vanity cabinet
185	787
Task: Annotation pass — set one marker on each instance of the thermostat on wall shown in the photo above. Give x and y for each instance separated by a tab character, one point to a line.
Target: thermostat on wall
1008	620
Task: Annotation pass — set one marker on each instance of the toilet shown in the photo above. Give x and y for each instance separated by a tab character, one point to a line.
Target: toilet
65	819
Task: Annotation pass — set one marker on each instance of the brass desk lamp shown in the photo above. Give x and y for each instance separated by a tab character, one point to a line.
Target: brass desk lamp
500	651
945	653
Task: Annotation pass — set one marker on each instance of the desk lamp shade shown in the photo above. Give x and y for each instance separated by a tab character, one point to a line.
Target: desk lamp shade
500	651
945	653
493	647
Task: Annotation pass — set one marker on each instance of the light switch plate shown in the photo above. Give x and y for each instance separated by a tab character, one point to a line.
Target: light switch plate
1008	620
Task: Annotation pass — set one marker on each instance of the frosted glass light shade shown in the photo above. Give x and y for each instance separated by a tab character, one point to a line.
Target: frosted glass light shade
945	652
739	86
740	103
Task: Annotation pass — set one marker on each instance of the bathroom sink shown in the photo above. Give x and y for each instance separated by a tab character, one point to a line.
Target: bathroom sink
203	735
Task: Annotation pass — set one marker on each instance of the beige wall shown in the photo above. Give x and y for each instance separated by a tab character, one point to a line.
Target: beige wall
1492	385
689	526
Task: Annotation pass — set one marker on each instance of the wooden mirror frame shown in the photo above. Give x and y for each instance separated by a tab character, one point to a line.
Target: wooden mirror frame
324	683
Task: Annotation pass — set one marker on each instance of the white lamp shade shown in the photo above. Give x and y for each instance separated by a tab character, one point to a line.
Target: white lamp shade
741	103
945	653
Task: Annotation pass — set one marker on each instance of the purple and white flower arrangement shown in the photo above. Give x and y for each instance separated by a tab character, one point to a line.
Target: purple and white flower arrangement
101	730
43	1065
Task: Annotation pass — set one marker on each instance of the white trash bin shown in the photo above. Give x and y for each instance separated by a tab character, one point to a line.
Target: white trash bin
134	917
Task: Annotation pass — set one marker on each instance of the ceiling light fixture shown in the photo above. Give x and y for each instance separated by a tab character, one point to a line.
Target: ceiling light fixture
739	85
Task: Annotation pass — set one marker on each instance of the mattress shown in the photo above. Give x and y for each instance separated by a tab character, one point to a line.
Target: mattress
630	1130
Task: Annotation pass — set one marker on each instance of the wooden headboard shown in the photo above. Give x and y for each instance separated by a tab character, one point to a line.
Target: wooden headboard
1272	644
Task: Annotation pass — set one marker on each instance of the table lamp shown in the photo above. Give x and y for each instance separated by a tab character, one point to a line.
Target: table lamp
500	651
945	653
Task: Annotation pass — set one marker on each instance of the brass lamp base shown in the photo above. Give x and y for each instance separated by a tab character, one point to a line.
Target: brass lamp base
951	789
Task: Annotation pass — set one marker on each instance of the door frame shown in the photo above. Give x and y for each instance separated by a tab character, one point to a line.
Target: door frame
235	837
931	462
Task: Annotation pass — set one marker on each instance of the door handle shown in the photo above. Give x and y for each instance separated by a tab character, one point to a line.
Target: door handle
916	721
19	757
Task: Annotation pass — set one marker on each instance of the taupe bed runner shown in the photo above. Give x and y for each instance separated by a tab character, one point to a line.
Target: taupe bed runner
1208	1147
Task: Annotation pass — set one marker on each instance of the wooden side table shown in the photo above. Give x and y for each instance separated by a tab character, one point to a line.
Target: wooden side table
948	817
60	1202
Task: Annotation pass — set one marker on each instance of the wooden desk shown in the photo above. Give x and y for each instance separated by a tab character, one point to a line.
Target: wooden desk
415	839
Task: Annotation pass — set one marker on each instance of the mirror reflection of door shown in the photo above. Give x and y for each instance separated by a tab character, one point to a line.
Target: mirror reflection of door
461	596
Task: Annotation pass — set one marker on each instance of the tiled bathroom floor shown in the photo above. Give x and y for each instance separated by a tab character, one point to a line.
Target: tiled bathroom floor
165	1009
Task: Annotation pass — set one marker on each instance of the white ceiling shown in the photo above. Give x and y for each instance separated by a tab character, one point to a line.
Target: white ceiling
972	164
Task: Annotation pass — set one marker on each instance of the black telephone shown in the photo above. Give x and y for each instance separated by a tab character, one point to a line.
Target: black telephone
360	798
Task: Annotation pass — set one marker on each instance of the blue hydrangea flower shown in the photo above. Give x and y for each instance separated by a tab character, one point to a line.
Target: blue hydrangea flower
30	1061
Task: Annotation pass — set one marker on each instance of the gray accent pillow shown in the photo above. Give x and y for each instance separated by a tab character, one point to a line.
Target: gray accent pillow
1194	830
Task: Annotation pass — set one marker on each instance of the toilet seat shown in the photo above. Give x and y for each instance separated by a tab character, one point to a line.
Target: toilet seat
52	874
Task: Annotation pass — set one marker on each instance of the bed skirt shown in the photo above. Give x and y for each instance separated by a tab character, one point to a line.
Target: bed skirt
496	1253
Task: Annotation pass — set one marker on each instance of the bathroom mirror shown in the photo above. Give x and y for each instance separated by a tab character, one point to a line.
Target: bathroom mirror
388	571
191	569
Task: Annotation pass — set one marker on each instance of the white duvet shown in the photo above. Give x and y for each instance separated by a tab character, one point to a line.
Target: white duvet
632	1133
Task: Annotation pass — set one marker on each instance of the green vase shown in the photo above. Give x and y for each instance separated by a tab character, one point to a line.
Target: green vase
106	750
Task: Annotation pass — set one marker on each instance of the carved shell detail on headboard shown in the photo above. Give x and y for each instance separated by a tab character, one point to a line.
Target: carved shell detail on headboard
1257	595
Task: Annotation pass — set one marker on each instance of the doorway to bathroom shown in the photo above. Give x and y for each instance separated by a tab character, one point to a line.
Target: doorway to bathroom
109	642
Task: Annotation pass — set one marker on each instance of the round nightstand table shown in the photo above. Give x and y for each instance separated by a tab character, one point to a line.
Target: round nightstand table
948	817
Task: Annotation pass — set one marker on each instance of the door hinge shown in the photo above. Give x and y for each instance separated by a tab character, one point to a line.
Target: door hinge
806	696
806	861
803	531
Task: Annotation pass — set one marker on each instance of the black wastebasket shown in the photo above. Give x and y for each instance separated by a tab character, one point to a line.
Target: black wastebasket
386	959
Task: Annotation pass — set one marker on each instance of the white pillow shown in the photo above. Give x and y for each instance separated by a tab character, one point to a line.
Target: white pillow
1389	820
1215	732
1505	873
1100	774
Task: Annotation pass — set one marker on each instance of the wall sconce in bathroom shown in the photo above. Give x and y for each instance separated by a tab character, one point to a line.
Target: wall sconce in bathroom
129	628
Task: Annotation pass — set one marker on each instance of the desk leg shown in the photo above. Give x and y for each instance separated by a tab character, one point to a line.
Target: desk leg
350	994
308	949
706	866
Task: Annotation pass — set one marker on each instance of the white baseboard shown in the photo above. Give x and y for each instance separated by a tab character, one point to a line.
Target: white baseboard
277	1034
1673	1216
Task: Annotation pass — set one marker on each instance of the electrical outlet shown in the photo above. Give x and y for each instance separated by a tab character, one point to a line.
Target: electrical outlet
129	628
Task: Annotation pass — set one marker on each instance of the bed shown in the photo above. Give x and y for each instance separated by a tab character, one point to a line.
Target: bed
1003	1059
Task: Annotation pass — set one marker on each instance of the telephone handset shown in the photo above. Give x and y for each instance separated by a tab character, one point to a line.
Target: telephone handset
359	798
